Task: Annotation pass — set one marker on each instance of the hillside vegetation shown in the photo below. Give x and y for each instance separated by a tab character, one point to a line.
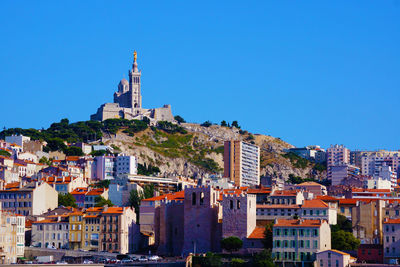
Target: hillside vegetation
176	149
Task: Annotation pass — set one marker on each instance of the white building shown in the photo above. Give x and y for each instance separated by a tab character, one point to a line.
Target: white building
104	167
125	165
242	163
336	155
17	139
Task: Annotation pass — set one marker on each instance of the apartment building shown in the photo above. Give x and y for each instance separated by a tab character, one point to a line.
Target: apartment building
76	224
367	218
118	230
372	161
52	232
242	163
333	258
125	165
287	197
336	155
12	237
310	209
31	199
92	231
391	238
297	241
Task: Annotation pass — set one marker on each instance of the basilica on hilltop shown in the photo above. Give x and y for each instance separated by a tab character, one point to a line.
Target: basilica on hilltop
128	101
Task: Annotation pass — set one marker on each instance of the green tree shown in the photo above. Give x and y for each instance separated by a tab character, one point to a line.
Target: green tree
98	153
179	119
206	124
4	153
101	202
232	243
267	241
235	124
342	240
148	191
223	123
135	198
102	184
210	260
73	151
44	160
66	200
263	259
56	144
236	262
342	224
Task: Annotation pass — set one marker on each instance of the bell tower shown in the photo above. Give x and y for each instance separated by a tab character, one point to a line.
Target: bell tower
135	99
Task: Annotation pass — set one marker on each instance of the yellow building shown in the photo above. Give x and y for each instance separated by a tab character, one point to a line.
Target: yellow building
92	231
76	224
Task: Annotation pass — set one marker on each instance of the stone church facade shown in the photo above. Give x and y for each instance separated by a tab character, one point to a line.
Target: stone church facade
128	102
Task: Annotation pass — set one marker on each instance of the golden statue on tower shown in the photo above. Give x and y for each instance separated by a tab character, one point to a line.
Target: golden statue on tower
134	56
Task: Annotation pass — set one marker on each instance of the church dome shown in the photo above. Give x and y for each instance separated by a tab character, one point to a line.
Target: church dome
124	82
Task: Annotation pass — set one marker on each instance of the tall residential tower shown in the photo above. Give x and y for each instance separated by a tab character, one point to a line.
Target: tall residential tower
242	163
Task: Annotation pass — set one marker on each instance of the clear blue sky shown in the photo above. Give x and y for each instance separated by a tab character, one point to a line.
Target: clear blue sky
309	72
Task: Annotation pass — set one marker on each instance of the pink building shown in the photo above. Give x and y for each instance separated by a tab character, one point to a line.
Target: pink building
337	155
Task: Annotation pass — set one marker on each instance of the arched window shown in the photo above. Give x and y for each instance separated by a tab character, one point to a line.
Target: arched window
201	198
194	198
231	202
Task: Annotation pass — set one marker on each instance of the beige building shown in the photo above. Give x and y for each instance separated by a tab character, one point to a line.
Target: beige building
242	163
333	258
12	237
92	231
118	230
367	218
297	241
31	199
51	233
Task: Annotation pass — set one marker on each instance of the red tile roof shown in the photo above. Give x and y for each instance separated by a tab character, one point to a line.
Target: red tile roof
314	203
173	196
298	223
392	221
258	233
277	206
113	210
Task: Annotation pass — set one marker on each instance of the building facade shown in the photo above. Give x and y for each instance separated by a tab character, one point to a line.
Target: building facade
242	163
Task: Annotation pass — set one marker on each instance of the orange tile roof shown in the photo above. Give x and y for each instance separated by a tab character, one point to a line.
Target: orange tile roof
314	203
340	252
72	158
370	190
297	223
350	201
79	191
113	210
94	209
45	221
91	216
259	191
327	198
392	221
11	185
258	233
180	195
95	192
309	183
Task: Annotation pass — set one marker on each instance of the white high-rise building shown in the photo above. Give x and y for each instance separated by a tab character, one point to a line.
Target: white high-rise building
242	163
125	165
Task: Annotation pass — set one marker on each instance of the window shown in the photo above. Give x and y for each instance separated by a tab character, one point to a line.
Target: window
201	198
194	198
238	204
315	243
337	263
307	243
393	239
392	228
231	204
387	239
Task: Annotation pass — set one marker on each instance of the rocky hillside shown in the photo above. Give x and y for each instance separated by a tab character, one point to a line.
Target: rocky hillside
199	152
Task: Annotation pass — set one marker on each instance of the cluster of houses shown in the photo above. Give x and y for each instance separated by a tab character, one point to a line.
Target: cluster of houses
186	216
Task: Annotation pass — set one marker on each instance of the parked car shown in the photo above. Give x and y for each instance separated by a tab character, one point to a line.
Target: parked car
87	262
127	260
143	258
154	258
